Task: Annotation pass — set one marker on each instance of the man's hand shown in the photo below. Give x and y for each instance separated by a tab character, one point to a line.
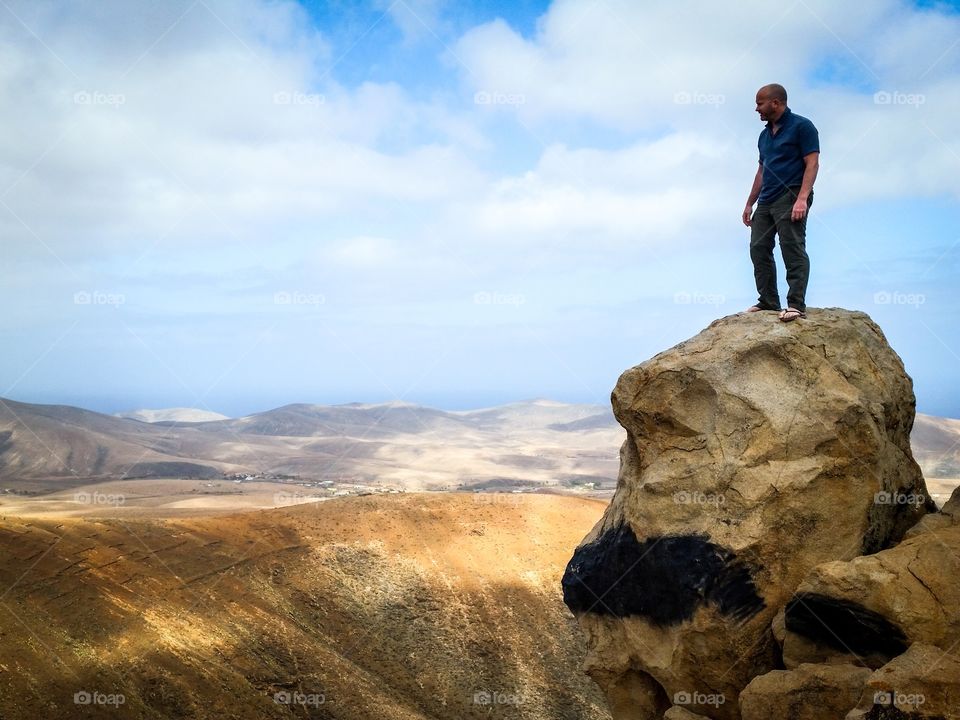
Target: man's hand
747	214
811	164
799	211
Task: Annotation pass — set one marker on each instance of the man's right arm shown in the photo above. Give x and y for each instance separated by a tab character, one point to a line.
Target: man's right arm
754	194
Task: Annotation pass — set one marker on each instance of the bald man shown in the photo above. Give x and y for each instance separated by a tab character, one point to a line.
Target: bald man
783	191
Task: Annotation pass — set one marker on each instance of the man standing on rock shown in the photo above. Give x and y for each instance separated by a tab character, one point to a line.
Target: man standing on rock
783	190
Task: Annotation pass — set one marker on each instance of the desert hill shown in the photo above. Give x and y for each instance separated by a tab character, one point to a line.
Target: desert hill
405	606
68	443
44	448
376	421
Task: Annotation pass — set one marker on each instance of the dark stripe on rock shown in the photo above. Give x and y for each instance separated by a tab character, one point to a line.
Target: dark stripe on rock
843	625
663	579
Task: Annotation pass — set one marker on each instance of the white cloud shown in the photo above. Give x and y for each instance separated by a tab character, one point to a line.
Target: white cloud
217	133
691	66
216	123
629	198
234	149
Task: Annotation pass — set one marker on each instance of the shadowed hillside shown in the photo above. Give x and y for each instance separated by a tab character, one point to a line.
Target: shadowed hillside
413	607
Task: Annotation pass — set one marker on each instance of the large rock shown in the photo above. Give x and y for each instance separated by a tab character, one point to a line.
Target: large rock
921	684
755	451
811	692
872	608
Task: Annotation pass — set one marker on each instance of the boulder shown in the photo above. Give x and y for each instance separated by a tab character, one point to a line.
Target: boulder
811	692
872	608
755	451
921	684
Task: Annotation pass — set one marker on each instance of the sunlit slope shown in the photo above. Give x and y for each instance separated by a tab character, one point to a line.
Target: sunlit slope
416	606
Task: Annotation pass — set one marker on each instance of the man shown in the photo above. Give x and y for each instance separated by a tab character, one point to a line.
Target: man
783	190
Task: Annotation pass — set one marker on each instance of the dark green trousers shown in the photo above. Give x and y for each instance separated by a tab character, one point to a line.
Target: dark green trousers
771	219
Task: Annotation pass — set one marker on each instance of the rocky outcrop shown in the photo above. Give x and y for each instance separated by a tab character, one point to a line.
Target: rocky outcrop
755	452
897	610
868	610
811	692
921	684
872	608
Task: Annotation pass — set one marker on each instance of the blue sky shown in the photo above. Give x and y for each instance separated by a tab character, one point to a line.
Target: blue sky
236	205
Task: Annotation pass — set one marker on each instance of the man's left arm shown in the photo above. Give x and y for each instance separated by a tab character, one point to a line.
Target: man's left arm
811	163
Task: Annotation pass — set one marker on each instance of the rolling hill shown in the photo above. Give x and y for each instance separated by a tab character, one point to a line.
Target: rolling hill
43	447
403	607
524	444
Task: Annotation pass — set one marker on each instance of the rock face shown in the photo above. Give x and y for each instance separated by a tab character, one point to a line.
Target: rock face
872	608
755	452
921	684
811	692
865	612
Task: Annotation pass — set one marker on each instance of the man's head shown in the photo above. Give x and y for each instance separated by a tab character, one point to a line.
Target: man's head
771	102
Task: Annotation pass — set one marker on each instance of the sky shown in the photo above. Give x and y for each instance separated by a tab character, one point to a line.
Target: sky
238	204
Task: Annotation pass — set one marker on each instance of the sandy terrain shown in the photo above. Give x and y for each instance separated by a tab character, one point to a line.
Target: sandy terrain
407	606
160	498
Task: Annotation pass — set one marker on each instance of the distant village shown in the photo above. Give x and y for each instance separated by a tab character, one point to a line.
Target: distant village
343	486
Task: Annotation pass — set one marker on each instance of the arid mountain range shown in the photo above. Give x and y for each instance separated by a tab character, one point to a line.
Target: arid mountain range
531	444
399	445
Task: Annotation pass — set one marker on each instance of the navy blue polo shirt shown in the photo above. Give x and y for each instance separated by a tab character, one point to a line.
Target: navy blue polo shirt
781	155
